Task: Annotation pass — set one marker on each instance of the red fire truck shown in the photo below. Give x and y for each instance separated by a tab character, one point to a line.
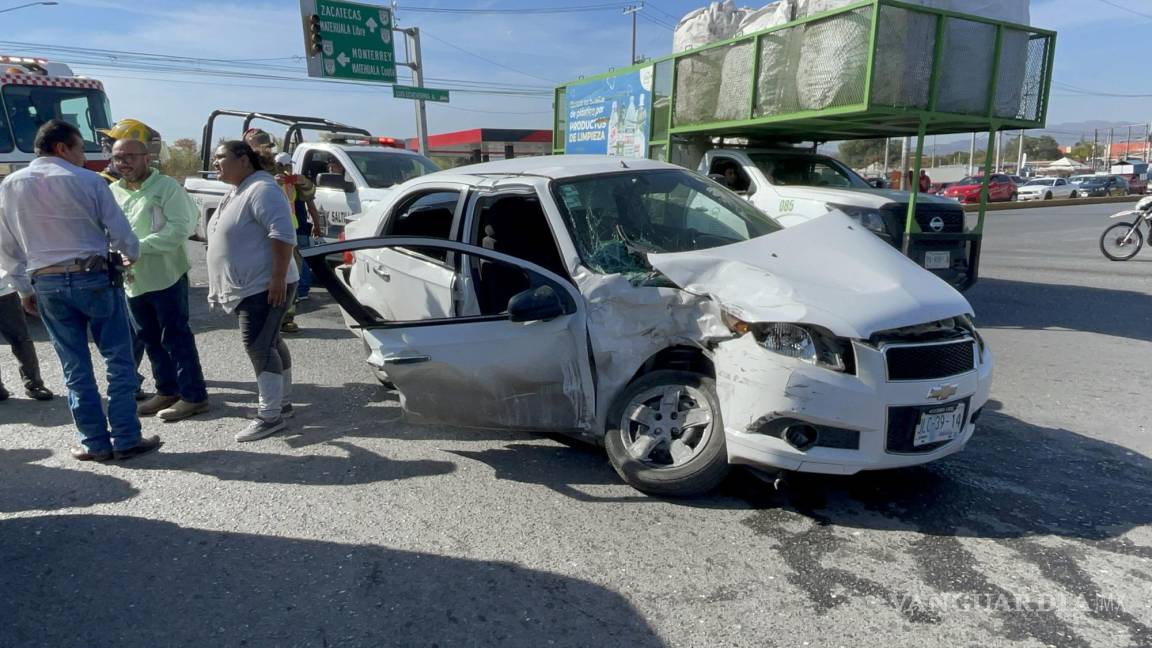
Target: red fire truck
33	91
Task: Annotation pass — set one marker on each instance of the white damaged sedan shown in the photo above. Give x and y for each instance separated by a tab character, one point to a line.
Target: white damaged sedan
638	305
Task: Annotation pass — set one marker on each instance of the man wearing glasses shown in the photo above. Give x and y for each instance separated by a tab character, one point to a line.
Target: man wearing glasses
162	217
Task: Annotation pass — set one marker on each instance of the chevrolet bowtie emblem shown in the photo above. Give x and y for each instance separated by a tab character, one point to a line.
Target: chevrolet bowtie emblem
943	392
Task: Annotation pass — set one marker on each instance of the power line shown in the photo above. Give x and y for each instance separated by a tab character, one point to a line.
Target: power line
656	21
1098	93
529	10
653	5
485	59
1123	8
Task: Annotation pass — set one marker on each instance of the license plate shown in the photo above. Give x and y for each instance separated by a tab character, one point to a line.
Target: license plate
937	260
939	424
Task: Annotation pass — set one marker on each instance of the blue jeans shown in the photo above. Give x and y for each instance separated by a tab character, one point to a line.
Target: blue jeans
160	319
303	242
72	306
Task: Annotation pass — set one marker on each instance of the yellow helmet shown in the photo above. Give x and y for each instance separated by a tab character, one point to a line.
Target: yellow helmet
130	129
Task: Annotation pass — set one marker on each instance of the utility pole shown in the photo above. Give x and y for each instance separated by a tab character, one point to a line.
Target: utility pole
1000	151
1128	144
1147	141
1107	153
887	156
412	36
933	166
906	143
971	153
633	10
1095	147
1020	155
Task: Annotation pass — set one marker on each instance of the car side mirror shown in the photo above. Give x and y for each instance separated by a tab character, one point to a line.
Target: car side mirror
535	304
335	181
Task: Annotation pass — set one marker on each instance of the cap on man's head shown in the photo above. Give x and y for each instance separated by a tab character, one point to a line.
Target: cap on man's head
284	159
258	137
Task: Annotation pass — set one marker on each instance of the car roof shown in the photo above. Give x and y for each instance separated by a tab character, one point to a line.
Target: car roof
387	150
552	166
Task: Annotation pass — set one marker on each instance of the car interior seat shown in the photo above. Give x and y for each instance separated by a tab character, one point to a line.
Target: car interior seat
516	226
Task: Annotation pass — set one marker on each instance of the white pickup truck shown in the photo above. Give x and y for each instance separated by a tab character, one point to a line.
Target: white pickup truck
370	167
795	185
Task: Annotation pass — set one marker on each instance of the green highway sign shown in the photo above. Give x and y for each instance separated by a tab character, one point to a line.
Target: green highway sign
348	40
424	94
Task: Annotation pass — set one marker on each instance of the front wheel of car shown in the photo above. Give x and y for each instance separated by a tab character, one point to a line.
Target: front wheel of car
665	434
1012	198
1048	196
1073	195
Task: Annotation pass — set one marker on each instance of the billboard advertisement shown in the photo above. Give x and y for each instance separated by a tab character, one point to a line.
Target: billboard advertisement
610	116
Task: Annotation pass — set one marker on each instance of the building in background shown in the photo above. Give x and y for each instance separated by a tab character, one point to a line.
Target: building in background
485	144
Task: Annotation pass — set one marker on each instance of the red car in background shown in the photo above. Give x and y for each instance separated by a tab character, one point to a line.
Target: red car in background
1000	189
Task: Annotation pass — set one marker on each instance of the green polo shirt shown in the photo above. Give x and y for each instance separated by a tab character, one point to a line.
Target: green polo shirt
163	216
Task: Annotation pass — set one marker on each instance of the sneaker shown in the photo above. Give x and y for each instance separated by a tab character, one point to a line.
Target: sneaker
260	428
146	445
289	326
38	392
302	298
286	411
153	405
182	410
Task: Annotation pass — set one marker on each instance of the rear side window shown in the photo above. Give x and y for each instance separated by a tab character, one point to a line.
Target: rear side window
430	215
5	130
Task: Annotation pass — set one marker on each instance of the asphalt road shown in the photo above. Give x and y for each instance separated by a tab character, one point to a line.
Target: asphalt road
357	529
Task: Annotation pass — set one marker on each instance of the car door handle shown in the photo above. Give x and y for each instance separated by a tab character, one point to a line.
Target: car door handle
381	272
406	360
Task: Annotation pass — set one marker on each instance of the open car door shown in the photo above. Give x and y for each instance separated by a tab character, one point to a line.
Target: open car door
526	367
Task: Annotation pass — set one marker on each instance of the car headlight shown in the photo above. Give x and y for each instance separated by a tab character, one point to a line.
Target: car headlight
870	219
805	343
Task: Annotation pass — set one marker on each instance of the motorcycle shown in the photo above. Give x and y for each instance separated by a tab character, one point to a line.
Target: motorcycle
1123	240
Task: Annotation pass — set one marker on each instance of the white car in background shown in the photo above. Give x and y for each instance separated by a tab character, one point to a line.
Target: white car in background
640	306
1046	189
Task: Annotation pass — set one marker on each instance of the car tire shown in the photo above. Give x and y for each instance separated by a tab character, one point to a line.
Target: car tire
649	462
1073	195
1013	197
1048	196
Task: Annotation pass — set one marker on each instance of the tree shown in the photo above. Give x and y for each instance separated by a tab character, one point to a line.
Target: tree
1082	150
860	153
1036	148
183	159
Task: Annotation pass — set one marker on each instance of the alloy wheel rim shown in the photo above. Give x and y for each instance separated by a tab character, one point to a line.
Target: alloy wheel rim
667	426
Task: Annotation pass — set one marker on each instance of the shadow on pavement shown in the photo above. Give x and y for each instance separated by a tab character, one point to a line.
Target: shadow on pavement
1014	480
64	575
1035	306
32	487
1022	486
560	468
43	414
358	466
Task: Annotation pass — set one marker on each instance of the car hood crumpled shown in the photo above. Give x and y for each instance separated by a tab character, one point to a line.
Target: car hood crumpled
827	272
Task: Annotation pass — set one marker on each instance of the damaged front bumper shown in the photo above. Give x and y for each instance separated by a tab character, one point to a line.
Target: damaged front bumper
843	423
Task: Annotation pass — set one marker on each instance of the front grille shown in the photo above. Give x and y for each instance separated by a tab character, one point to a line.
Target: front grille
930	361
902	422
952	217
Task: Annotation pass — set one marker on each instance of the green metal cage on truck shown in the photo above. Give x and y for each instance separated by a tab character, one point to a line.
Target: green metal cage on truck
868	69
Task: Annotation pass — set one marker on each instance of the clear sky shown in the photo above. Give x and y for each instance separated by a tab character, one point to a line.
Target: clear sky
522	54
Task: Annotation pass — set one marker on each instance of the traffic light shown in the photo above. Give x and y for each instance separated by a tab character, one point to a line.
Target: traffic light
315	38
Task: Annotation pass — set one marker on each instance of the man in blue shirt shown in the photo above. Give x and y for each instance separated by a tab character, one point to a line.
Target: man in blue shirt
58	222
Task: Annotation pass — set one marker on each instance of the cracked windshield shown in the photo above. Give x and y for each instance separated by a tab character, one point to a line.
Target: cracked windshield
618	219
